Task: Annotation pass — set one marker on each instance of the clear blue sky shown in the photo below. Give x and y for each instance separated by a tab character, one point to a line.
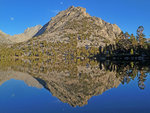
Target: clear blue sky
17	15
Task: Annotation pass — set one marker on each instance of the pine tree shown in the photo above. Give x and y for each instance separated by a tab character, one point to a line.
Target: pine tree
140	35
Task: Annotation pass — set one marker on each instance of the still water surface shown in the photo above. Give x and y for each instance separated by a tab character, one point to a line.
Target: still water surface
85	88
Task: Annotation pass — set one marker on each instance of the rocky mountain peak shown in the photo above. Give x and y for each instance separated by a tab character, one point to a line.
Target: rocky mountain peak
62	19
32	30
79	10
69	14
75	20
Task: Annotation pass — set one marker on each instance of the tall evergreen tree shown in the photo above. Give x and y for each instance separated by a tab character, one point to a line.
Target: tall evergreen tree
140	35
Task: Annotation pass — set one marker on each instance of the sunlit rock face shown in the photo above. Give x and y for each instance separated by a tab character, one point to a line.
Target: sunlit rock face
73	22
76	21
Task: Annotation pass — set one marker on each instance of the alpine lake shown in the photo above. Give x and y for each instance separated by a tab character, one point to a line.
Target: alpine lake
83	86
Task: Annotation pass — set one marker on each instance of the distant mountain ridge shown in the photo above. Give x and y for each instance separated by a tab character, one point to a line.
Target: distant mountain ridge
4	38
28	34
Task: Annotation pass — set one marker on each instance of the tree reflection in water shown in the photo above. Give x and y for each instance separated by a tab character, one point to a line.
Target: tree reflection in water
75	81
128	70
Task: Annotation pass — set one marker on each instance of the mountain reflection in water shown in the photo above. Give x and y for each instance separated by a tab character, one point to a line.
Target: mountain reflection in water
75	82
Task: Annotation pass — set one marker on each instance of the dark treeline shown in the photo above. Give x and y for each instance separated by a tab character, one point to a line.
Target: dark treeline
127	47
127	70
